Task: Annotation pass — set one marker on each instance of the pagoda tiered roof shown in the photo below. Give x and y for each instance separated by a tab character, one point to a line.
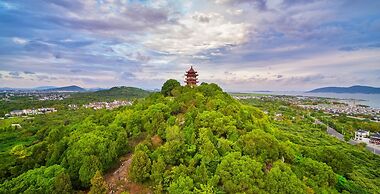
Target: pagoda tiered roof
191	70
191	77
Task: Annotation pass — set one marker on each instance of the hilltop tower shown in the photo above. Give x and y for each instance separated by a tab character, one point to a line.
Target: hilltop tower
191	77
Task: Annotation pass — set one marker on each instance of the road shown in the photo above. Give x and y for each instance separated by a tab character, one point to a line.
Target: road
331	131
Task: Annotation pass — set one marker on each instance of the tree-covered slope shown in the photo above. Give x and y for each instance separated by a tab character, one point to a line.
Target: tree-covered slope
123	91
66	89
115	93
195	140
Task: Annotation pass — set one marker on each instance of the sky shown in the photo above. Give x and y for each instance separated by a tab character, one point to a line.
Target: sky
242	45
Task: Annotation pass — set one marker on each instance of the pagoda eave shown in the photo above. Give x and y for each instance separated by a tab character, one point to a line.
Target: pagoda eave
191	77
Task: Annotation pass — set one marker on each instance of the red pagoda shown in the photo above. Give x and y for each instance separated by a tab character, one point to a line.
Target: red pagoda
191	77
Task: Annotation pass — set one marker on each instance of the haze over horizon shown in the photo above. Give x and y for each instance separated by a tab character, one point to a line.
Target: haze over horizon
242	45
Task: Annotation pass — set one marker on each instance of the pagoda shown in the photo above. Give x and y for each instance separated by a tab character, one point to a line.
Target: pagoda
191	77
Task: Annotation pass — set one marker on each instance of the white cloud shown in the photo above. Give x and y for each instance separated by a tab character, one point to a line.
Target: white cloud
19	41
261	44
197	32
235	11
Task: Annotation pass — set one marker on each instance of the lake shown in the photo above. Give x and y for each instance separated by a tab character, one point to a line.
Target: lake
372	100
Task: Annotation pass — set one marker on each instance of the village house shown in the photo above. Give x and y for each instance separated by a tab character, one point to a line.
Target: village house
16	126
16	112
360	134
375	139
38	111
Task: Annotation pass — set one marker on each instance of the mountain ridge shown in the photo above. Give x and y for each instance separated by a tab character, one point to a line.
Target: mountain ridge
358	89
72	88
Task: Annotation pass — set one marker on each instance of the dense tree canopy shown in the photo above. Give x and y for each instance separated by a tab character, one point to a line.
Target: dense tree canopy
168	86
186	140
140	167
52	179
98	185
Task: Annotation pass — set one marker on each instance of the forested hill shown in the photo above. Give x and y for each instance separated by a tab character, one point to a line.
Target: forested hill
114	93
66	89
192	140
123	91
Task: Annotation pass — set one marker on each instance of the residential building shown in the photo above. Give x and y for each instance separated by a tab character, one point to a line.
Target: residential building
360	134
375	139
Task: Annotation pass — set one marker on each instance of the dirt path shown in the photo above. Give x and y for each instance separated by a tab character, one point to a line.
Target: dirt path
117	180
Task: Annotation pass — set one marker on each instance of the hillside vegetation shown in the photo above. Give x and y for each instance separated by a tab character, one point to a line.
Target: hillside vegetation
195	140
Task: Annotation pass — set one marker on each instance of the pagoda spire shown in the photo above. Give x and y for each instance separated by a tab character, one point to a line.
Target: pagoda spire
191	77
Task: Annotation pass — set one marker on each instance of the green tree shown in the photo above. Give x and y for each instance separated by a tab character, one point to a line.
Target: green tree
168	86
90	165
173	151
158	169
181	185
62	184
281	179
260	144
174	133
140	167
39	180
206	147
316	174
201	174
154	118
20	151
240	174
98	185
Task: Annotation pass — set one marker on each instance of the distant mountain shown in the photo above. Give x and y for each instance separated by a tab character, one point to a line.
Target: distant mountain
6	89
352	89
45	87
67	89
123	91
262	91
96	89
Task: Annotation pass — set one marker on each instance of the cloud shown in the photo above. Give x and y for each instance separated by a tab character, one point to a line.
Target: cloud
237	43
43	77
142	58
204	18
128	76
259	4
15	74
7	5
19	41
75	70
296	2
29	72
107	17
66	4
39	46
374	45
349	48
197	33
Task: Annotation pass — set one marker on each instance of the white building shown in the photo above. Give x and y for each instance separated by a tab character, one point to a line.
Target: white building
16	113
17	126
360	134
